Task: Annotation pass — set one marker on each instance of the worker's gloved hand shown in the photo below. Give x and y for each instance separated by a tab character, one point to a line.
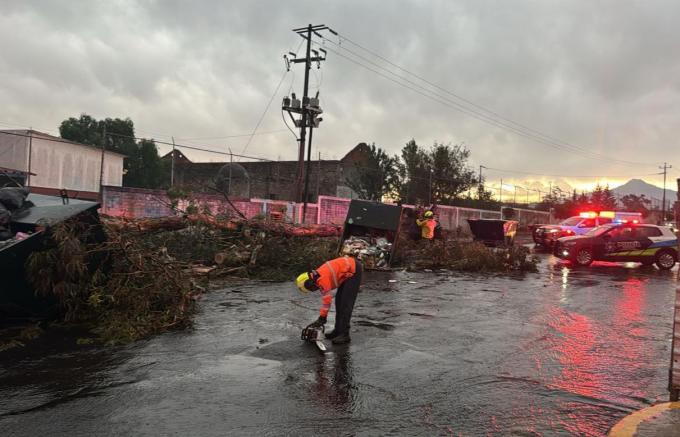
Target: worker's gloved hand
318	322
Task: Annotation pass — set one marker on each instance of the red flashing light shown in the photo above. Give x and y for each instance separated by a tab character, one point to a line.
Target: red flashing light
636	221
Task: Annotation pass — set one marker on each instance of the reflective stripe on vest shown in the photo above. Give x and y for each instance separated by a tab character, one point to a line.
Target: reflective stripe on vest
333	275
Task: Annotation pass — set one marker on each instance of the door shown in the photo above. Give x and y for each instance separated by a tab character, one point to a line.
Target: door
621	243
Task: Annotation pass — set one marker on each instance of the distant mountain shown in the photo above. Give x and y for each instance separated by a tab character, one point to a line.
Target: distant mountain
638	187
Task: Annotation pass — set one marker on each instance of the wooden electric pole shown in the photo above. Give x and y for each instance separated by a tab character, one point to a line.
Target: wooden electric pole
308	109
663	201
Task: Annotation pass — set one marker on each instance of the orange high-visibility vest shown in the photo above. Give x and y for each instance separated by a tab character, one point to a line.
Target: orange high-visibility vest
427	227
331	276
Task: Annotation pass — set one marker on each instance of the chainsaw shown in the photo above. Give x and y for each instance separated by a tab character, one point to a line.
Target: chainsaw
314	334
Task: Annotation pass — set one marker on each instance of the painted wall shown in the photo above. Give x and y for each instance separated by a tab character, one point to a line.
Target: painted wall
57	164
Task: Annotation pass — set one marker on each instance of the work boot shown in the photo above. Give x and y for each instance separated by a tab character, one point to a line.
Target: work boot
331	334
341	339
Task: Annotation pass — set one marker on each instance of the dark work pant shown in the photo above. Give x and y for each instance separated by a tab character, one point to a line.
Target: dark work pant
344	300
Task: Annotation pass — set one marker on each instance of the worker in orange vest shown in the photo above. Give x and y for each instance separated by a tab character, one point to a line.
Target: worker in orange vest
339	277
427	225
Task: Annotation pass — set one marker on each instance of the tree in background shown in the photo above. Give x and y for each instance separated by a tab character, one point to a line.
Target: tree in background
602	199
634	203
142	165
451	175
376	174
414	174
438	176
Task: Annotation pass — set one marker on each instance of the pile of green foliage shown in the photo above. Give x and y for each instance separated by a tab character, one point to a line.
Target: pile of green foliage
248	252
287	257
123	289
463	255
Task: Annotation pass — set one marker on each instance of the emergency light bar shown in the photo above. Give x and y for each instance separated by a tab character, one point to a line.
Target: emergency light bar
593	214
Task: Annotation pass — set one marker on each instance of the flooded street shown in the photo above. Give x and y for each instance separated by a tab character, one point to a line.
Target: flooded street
561	352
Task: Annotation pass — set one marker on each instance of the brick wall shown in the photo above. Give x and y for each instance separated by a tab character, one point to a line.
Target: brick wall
267	179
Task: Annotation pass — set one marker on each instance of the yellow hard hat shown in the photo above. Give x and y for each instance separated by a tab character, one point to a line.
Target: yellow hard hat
429	213
304	283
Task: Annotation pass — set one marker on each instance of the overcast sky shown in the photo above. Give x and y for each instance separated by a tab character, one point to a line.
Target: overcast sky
602	76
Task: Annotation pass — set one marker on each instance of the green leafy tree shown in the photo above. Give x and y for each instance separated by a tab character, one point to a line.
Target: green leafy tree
602	199
440	175
375	174
142	165
634	203
451	175
414	174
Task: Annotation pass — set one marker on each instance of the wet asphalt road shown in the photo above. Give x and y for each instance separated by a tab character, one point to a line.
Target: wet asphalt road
560	352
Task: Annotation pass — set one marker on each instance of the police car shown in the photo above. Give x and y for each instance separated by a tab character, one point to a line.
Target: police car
547	235
621	242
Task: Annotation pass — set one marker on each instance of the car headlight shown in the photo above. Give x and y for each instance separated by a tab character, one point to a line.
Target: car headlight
554	231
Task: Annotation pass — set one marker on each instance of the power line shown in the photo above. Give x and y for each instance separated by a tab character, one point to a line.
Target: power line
108	134
271	99
233	136
513	126
442	100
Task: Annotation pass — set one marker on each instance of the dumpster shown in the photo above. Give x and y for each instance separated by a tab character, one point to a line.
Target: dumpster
29	226
494	232
371	233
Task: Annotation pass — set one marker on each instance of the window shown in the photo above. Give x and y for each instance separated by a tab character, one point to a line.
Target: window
587	223
571	221
604	220
622	233
648	231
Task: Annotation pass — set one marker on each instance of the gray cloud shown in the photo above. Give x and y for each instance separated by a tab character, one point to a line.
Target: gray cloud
602	75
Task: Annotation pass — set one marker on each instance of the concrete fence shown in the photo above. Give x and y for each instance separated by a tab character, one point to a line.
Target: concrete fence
139	202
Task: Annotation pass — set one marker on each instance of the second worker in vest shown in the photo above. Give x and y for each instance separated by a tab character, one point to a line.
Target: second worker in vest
427	225
339	278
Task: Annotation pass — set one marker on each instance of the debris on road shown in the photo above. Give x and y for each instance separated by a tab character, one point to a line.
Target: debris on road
372	252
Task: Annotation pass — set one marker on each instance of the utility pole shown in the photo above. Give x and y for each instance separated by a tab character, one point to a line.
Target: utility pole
663	201
172	164
481	184
318	178
101	167
308	109
677	210
30	154
231	165
307	171
501	192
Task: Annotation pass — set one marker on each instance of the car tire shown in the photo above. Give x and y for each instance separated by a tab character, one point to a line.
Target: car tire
583	257
665	259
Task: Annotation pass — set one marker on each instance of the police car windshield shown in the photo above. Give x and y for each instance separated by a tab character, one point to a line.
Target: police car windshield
596	232
571	221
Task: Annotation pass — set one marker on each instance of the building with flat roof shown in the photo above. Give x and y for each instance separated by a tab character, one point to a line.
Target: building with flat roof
48	164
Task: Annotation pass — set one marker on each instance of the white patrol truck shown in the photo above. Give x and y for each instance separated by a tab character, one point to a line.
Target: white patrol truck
547	235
